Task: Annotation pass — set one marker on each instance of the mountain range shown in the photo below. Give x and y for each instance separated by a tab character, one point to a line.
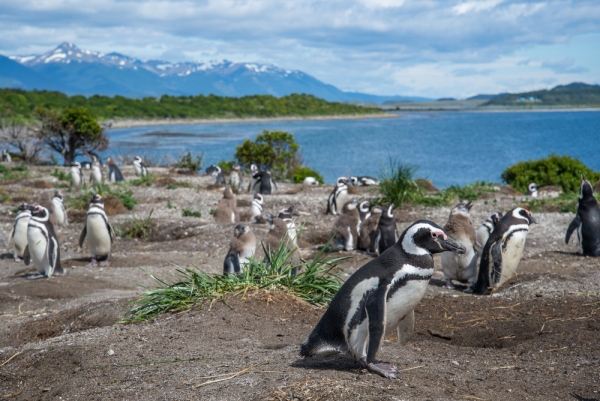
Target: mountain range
75	71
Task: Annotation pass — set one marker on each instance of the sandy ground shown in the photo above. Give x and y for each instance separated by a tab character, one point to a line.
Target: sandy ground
535	339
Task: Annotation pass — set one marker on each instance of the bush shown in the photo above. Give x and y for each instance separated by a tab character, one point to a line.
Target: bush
139	227
146	180
189	162
82	201
301	172
396	184
563	171
226	165
469	192
61	175
276	151
190	213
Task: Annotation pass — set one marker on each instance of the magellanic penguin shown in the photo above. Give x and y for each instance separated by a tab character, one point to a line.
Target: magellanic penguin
42	244
380	298
114	172
503	250
217	173
226	211
241	249
364	210
235	177
252	182
364	181
462	267
282	232
368	230
96	176
345	229
59	210
256	209
6	156
99	232
338	196
587	221
77	177
310	181
532	190
18	234
386	234
139	167
484	231
263	183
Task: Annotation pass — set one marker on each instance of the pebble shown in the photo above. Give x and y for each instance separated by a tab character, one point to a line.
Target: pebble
110	352
455	363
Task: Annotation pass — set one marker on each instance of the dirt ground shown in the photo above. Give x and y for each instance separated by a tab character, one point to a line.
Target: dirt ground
535	339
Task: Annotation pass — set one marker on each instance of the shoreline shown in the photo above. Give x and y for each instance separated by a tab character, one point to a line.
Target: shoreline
132	123
493	110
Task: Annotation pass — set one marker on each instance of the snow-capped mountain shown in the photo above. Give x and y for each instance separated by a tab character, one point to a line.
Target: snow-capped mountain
86	72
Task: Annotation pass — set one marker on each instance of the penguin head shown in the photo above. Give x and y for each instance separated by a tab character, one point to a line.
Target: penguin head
236	167
23	206
524	214
462	208
286	213
424	237
97	200
76	164
259	198
57	194
39	211
496	217
354	180
532	187
269	217
241	229
364	206
253	169
137	159
228	193
342	180
585	189
389	212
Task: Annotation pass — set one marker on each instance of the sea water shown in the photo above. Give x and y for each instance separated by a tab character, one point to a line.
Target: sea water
449	148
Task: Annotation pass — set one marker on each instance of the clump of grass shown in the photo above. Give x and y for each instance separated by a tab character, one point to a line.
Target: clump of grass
61	175
20	167
146	180
397	184
178	184
189	162
170	205
469	192
564	203
82	201
13	173
314	283
139	227
190	213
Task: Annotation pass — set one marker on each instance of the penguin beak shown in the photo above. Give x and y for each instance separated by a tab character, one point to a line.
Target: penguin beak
449	244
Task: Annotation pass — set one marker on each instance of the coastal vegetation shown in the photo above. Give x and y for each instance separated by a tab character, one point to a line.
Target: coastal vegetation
22	104
572	95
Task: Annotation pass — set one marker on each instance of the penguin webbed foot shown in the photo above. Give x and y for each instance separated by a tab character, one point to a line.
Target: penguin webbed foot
18	260
93	263
105	263
36	276
382	369
449	284
468	290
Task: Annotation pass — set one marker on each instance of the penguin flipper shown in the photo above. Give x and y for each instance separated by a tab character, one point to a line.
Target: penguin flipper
10	237
82	235
26	256
231	265
406	328
111	232
376	241
497	256
54	256
572	227
375	307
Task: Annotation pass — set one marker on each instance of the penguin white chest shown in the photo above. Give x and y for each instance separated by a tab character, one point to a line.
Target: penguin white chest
75	177
138	169
400	302
38	246
59	211
20	235
511	254
96	175
98	235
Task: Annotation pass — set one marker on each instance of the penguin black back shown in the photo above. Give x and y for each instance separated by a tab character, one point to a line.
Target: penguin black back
587	220
387	233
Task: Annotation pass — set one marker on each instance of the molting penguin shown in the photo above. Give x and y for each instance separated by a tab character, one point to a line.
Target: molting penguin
235	177
338	196
532	190
364	210
380	298
241	248
483	232
114	173
282	231
587	221
386	234
364	181
368	230
77	177
99	232
461	267
345	230
18	234
6	156
226	211
59	210
503	250
139	167
42	244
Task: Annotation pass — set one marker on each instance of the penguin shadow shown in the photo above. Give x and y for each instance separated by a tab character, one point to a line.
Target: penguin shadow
569	253
580	398
436	282
341	363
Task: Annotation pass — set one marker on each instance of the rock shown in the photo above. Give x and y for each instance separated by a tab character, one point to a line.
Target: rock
110	352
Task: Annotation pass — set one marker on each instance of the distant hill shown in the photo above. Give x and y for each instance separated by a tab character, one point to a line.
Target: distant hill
485	96
75	71
576	94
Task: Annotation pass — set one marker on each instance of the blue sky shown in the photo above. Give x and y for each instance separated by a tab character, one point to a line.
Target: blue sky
433	48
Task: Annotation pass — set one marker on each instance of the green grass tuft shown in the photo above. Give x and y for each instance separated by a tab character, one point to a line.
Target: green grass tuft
564	203
397	184
190	213
139	227
81	201
61	175
146	180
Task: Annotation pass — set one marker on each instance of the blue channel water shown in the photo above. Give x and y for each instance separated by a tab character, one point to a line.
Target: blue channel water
447	147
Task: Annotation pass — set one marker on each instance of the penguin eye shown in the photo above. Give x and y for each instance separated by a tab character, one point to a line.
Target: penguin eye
434	234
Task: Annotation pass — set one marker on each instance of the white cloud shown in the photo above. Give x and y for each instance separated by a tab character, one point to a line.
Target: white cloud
475	6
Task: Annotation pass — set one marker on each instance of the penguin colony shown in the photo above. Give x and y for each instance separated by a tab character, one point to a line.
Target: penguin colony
378	299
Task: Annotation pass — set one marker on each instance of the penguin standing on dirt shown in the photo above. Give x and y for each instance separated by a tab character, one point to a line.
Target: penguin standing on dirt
532	190
235	177
6	156
227	208
77	177
59	210
338	196
364	181
503	250
345	230
252	182
18	234
42	244
282	231
380	298
587	221
96	176
368	230
241	248
263	183
139	167
256	209
462	267
483	232
114	172
99	232
386	234
364	210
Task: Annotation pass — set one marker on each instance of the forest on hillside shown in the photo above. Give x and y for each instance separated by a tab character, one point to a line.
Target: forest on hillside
574	95
21	104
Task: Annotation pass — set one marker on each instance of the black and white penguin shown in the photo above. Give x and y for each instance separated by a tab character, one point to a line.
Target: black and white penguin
235	177
6	156
114	172
532	190
310	181
338	196
213	169
503	250
462	267
345	229
256	208
484	231
18	234
380	298
364	210
96	175
252	182
386	234
364	181
59	210
587	221
263	183
77	177
241	249
99	232
139	167
42	244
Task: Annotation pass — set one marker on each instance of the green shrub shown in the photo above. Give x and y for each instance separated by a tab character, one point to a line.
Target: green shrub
139	227
20	167
190	213
396	184
189	162
61	175
564	203
81	202
301	172
276	151
469	192
226	165
145	180
563	171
